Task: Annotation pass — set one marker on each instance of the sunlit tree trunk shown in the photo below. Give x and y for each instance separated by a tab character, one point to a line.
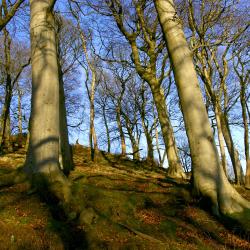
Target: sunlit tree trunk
175	169
43	152
234	155
161	158
244	81
134	143
246	134
119	124
147	131
221	141
209	179
150	147
106	127
91	93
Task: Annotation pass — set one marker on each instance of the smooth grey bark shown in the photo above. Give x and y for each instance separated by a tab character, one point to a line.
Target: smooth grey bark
42	160
209	179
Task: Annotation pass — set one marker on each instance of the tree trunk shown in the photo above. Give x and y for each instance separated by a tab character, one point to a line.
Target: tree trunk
65	153
134	144
92	133
246	132
107	128
234	155
20	117
209	179
175	169
161	159
91	94
4	137
221	141
43	152
122	137
150	147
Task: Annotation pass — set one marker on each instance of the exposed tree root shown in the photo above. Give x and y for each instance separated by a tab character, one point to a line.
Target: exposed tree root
176	173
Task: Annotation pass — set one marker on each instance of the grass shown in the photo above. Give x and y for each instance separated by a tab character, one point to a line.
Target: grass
128	205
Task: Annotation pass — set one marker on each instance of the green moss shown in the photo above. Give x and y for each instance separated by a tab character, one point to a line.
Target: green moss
25	220
169	228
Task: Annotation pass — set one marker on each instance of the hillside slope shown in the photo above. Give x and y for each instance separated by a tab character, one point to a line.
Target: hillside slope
129	205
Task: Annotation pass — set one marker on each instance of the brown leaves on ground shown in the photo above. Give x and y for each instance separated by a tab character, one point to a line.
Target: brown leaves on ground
150	216
137	208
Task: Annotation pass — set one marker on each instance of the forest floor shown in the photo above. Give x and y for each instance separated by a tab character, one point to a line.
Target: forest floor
134	206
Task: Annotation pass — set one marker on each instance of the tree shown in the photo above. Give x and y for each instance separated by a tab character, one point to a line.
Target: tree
243	76
13	69
91	76
8	11
143	101
43	153
209	179
141	32
211	42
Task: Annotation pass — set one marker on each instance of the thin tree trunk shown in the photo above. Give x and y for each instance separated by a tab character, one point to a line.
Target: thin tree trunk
150	147
122	137
92	133
107	128
20	116
209	179
246	133
175	169
134	144
161	159
65	153
234	155
221	141
4	137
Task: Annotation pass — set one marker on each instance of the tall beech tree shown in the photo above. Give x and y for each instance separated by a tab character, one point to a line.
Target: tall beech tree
209	179
44	145
141	33
243	74
91	76
212	65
